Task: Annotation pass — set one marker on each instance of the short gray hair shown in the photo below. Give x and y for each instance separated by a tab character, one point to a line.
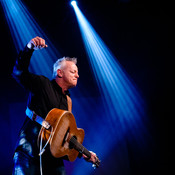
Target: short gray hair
58	63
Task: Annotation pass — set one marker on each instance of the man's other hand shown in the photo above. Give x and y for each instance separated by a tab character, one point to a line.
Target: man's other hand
37	43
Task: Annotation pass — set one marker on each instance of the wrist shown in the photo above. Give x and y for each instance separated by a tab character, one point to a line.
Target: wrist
30	46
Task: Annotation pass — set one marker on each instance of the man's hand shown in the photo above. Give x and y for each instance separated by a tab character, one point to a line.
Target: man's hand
37	43
93	159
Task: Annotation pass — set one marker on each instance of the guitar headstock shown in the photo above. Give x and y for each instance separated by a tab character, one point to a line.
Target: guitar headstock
97	163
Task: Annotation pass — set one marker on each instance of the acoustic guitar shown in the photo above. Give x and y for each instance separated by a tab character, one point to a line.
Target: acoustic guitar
65	139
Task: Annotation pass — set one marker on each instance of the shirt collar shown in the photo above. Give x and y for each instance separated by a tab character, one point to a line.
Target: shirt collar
59	88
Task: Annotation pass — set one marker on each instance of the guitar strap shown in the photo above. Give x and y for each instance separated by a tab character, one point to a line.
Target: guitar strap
34	117
69	103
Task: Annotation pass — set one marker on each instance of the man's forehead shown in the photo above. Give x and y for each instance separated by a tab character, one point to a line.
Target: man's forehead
70	64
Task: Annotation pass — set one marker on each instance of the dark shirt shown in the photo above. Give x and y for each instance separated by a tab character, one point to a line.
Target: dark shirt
44	95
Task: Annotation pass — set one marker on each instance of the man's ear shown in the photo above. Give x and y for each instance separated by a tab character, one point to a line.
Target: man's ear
59	73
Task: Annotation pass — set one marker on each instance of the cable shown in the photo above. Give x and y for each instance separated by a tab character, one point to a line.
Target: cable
41	171
43	149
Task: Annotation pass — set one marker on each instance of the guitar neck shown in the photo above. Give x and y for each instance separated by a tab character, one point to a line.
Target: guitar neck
79	147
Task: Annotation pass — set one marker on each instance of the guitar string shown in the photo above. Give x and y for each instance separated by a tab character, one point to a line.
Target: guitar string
79	146
74	141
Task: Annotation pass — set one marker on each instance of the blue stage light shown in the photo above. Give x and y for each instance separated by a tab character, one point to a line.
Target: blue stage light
23	27
73	3
120	117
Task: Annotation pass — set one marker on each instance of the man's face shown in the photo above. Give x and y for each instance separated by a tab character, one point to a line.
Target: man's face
70	74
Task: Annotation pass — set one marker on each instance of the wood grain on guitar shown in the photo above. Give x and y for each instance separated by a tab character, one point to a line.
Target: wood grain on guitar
66	139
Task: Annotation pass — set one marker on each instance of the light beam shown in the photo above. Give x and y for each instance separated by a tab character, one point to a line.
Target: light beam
23	28
121	112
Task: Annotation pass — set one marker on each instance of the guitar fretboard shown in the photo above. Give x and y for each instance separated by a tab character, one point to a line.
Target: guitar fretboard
79	147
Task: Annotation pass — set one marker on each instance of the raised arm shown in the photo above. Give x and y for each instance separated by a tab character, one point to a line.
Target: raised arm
20	70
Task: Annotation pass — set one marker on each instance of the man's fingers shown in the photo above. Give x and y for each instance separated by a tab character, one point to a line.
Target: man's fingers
34	42
93	157
39	42
45	46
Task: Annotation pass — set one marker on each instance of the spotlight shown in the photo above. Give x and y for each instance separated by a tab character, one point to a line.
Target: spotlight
125	122
23	27
73	3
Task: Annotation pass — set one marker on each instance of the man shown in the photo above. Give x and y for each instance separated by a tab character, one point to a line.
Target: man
44	96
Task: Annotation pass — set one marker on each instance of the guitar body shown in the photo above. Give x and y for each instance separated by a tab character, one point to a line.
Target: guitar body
64	128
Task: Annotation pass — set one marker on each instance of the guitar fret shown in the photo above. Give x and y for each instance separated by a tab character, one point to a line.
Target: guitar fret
79	147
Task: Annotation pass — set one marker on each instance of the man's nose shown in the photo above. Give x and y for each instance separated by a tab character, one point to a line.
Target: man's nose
77	76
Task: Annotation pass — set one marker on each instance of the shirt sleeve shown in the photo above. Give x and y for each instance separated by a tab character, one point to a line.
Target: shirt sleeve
21	73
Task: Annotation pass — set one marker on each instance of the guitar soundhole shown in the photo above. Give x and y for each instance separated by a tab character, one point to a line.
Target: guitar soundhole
65	137
72	142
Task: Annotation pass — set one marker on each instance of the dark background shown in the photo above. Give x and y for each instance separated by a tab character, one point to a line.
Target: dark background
139	33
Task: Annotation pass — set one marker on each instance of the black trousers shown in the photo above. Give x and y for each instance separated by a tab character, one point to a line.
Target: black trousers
26	165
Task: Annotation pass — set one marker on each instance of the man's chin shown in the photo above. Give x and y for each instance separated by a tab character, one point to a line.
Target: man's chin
73	85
